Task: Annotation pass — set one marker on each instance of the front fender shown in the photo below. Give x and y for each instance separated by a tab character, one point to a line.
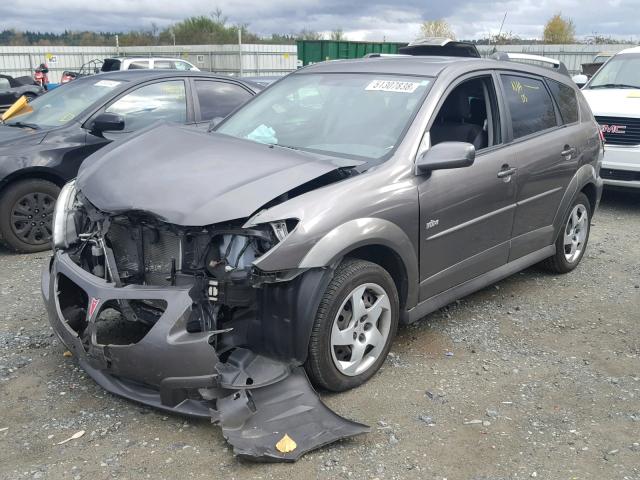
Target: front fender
362	232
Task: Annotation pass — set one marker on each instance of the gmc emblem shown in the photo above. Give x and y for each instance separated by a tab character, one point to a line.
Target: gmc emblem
621	129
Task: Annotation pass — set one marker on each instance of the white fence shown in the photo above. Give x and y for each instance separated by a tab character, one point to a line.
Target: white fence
251	60
255	60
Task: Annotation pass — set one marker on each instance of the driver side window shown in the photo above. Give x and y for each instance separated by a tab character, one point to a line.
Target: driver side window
150	103
469	114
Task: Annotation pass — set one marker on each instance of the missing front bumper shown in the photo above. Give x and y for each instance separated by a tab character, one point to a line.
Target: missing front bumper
256	400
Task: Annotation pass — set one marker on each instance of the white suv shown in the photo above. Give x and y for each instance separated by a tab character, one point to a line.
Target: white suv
153	63
613	94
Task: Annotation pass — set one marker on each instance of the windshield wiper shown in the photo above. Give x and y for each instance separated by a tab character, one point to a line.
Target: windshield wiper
614	85
23	125
286	146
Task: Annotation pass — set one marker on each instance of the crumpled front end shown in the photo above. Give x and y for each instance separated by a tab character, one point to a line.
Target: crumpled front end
179	319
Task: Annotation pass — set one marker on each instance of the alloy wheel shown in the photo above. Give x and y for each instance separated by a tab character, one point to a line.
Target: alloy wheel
575	233
360	329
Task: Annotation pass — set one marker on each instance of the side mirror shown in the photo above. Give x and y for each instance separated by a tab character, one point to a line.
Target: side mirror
106	122
446	155
214	123
580	80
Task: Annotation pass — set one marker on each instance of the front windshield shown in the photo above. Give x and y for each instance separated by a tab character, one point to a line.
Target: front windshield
351	115
62	105
622	71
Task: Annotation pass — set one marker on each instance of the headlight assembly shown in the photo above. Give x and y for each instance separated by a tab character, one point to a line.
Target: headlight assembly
64	227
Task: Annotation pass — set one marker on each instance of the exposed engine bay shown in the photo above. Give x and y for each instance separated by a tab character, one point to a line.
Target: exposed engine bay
180	318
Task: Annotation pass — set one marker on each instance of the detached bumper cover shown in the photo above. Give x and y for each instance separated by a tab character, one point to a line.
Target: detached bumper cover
177	371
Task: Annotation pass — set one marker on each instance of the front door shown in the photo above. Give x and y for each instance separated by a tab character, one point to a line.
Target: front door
466	214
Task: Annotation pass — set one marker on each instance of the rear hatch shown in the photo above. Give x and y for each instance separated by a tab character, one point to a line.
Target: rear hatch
440	47
110	65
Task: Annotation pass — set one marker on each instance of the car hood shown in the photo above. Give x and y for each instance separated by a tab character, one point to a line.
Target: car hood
190	178
614	102
10	136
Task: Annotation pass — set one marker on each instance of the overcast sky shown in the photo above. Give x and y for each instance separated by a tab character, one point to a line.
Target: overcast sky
359	19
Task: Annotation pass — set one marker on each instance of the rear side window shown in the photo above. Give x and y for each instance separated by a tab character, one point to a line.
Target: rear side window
163	65
566	99
219	99
139	64
530	105
183	65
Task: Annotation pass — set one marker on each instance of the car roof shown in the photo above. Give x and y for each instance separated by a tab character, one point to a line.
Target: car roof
147	58
429	66
142	75
629	50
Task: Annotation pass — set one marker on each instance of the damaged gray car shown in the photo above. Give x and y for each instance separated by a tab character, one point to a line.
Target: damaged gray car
222	274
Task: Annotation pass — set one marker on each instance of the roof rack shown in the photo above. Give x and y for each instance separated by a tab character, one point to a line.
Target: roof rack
551	63
376	55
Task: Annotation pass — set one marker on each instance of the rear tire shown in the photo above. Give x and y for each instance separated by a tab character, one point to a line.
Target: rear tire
354	326
26	215
573	237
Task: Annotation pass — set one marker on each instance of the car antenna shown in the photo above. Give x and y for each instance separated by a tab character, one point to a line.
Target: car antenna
499	32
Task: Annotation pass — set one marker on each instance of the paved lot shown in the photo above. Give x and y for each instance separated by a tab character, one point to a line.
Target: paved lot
535	377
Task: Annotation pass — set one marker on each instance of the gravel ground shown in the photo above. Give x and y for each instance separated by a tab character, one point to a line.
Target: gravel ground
535	377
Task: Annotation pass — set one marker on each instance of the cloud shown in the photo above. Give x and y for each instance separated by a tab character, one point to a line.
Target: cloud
359	19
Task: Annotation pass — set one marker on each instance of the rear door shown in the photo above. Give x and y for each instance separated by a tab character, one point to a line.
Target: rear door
544	156
216	99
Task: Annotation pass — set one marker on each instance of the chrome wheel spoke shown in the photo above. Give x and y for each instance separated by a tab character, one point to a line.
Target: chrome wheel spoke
375	310
375	338
568	239
357	302
342	337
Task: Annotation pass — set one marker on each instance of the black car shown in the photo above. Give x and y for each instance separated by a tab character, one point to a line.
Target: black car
11	89
40	150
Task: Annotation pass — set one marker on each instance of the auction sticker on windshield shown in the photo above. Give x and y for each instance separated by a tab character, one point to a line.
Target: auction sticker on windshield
393	86
107	83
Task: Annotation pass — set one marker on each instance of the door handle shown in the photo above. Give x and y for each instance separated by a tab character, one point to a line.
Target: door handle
568	151
506	172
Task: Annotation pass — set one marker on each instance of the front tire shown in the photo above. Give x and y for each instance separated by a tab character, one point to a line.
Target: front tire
354	326
26	215
572	240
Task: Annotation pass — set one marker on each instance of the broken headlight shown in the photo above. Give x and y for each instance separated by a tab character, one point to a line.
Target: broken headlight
64	227
235	250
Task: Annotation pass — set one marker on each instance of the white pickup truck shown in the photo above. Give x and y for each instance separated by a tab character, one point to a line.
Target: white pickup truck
613	94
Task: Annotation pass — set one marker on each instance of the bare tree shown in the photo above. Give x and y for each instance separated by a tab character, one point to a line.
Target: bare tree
306	34
437	28
338	35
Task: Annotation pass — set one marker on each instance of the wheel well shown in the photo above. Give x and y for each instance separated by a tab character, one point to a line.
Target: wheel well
590	191
32	175
390	261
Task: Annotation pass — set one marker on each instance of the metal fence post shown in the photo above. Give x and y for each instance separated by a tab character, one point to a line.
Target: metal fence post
240	49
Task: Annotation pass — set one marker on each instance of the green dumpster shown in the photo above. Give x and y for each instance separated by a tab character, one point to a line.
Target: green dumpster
313	51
